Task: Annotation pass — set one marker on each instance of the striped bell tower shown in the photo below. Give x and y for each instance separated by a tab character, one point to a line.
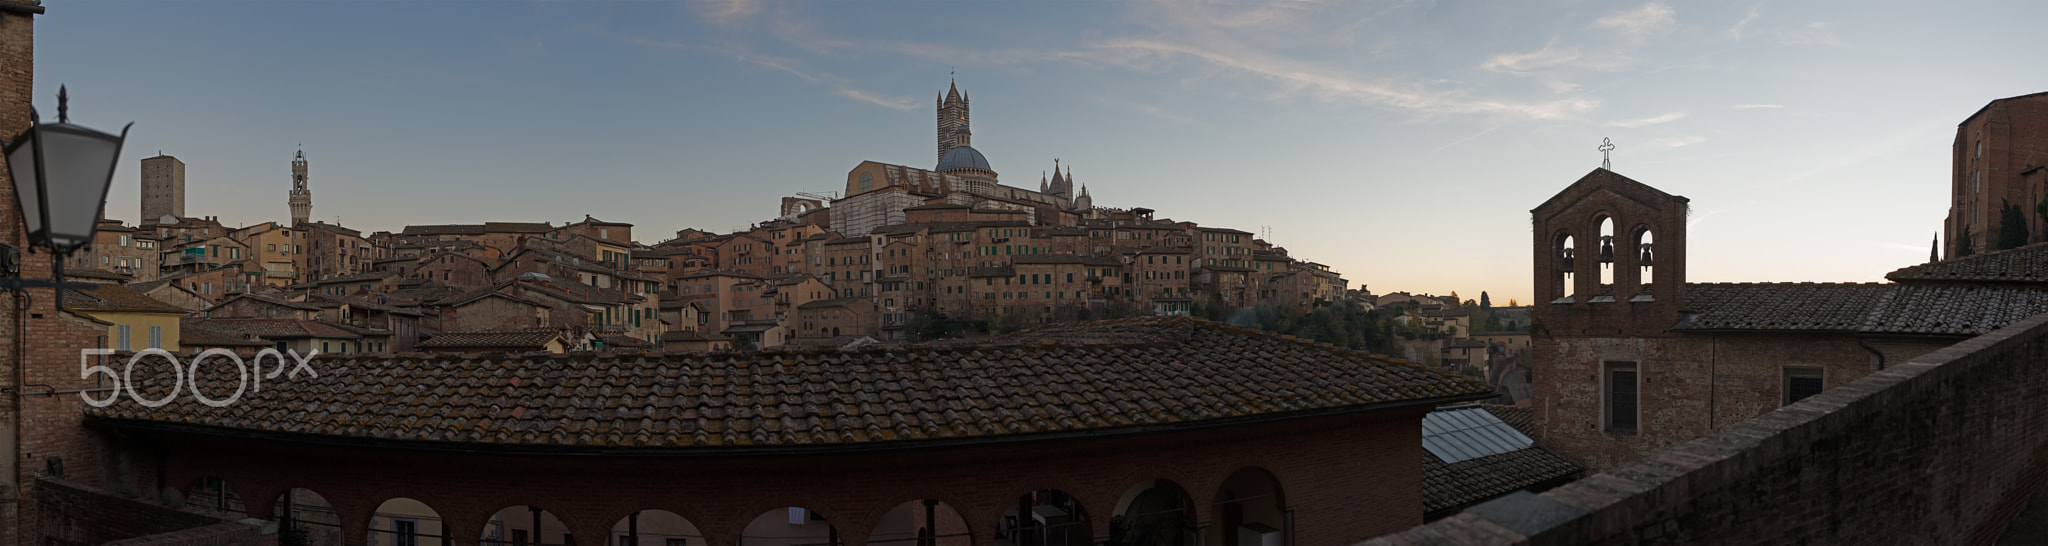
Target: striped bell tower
952	115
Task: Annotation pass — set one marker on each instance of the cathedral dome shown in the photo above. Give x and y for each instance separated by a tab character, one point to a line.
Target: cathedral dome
963	157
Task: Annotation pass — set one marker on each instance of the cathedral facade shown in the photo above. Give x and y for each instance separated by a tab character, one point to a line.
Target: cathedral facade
877	193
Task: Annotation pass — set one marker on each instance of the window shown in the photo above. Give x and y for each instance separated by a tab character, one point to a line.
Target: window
121	337
156	337
405	532
1621	396
1801	382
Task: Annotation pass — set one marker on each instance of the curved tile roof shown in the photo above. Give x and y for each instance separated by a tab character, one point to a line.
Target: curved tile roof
1090	377
2026	264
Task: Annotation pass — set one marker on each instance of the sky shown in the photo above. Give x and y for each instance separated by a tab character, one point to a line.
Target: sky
1401	143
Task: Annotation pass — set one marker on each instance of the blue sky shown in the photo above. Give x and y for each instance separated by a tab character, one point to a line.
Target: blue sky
1400	142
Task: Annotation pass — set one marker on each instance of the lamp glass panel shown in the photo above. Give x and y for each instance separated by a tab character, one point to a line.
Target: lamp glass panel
80	164
21	163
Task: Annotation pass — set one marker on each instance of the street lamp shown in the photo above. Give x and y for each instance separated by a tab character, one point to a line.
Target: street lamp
61	173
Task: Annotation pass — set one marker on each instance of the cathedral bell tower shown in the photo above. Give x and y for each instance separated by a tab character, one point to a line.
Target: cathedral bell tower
952	116
301	197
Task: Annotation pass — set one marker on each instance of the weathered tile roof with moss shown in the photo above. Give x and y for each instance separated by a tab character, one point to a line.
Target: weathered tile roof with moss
1130	375
528	339
1937	309
2026	264
115	298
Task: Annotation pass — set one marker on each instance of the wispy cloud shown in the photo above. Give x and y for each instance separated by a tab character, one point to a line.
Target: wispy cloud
1551	55
1672	143
1154	111
839	85
726	12
1645	122
1332	84
1652	20
1756	106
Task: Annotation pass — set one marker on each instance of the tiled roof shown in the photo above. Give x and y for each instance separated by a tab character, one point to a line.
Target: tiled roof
114	297
195	333
1451	485
2027	264
838	302
445	229
278	328
688	335
1138	374
533	339
1859	307
624	341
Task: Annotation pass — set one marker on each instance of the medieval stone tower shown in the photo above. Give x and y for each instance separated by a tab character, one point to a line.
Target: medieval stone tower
163	188
952	116
302	198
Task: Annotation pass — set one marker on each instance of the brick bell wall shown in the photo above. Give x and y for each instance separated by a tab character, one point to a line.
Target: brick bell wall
1347	478
41	355
1943	449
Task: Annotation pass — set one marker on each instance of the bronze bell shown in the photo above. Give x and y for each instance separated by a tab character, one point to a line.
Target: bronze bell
1606	249
1645	262
1565	265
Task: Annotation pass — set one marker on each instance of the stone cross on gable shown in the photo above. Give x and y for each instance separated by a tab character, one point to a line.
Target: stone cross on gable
1606	145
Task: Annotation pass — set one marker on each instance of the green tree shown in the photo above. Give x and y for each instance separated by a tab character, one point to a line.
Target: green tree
2012	226
1965	245
1485	302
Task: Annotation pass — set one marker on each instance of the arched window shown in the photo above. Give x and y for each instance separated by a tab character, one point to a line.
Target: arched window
867	182
1606	251
1645	252
1564	254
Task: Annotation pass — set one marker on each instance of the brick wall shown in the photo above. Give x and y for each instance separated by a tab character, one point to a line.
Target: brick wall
1344	477
75	514
1941	449
1690	385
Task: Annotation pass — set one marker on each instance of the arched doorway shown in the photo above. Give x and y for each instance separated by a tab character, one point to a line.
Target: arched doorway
1046	517
926	522
790	526
406	522
1154	513
525	526
655	528
1251	510
305	518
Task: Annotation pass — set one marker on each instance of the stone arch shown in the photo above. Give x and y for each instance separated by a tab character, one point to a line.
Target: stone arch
305	518
215	496
536	525
1250	502
1603	228
1641	257
790	526
1155	512
654	528
1046	517
922	522
403	520
1563	273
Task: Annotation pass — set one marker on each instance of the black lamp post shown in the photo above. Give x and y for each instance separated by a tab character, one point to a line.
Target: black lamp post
61	173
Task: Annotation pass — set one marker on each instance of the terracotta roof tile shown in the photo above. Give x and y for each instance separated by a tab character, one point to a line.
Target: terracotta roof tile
114	297
2026	264
1859	307
1151	372
533	339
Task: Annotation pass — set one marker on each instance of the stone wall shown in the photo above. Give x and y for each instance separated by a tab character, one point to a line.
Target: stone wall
75	514
1941	449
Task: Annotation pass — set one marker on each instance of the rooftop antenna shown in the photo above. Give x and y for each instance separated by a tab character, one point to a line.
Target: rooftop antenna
1606	145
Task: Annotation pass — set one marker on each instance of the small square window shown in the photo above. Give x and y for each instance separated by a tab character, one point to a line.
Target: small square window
1802	382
